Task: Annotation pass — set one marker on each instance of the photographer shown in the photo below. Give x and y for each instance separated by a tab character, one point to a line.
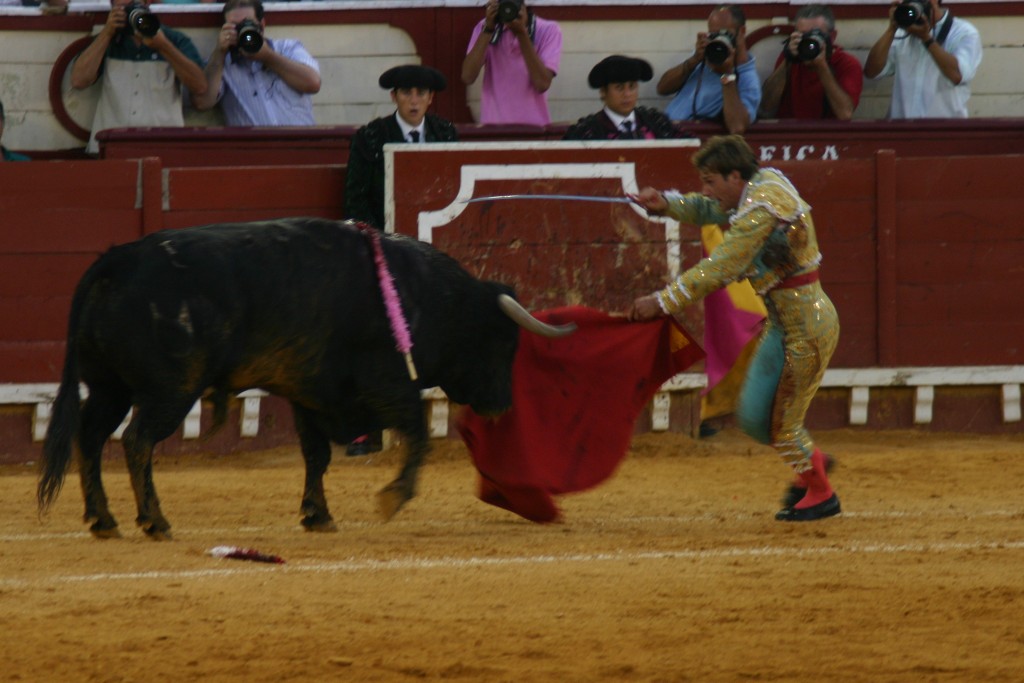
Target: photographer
145	52
519	53
934	57
259	81
814	78
718	85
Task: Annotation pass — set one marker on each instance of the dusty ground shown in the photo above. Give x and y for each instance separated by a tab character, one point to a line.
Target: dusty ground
672	571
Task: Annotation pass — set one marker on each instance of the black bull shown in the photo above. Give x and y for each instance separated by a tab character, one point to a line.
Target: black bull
291	306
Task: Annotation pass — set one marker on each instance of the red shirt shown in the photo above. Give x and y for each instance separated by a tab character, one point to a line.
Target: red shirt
804	96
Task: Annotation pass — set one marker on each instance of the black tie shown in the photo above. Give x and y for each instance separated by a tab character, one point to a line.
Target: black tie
414	135
627	128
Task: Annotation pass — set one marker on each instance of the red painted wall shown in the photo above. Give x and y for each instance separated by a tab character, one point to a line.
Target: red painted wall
922	256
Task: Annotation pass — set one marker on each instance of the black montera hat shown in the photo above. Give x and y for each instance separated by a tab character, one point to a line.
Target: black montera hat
619	69
413	76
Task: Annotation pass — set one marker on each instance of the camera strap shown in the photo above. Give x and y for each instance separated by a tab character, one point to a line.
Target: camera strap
947	24
531	28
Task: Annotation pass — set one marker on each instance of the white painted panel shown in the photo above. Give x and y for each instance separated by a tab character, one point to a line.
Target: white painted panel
1011	403
660	411
924	400
859	398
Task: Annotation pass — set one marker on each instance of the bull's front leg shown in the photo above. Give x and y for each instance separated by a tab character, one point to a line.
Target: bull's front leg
400	491
315	516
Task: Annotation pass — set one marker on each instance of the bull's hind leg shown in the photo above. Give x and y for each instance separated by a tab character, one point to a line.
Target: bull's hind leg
316	450
102	413
153	422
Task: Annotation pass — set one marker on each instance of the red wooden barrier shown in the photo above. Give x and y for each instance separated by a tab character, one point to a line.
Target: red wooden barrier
57	216
199	196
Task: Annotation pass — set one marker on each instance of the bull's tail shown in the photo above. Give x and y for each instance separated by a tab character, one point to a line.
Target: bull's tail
65	415
61	432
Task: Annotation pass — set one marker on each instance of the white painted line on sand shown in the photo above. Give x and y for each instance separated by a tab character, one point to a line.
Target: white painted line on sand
355	564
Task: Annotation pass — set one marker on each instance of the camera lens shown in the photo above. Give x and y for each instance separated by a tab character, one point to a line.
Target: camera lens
808	49
144	22
718	48
907	14
249	39
508	10
812	44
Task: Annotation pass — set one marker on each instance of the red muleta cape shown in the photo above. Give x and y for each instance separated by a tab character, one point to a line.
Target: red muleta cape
575	401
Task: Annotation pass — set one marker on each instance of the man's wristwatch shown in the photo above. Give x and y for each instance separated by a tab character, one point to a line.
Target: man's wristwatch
728	78
488	30
928	43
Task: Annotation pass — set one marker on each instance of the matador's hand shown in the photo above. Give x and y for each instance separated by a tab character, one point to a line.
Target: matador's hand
645	308
651	200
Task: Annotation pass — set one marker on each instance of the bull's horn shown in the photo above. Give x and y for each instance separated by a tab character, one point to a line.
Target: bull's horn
522	317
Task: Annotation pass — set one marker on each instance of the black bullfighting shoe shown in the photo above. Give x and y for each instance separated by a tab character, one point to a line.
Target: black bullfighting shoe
794	494
822	510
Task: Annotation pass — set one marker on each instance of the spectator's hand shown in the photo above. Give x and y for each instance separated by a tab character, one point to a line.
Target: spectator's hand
491	14
645	308
116	20
518	27
698	49
159	42
261	55
820	63
794	41
228	37
922	31
652	201
892	15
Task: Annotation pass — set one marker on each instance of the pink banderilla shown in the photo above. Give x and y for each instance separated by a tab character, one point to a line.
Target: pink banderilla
399	328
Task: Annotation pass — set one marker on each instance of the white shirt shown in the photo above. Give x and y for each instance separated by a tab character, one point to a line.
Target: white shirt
618	120
406	128
136	94
920	90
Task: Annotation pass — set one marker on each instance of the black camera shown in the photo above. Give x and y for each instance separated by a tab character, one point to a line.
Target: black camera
141	20
812	44
720	45
508	10
910	12
250	36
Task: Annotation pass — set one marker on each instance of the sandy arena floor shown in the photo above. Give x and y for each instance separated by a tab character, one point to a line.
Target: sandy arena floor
674	570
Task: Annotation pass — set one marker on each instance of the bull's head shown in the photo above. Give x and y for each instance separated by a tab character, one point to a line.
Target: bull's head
483	377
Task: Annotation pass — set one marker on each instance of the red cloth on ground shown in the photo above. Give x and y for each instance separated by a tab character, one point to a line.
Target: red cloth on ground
575	401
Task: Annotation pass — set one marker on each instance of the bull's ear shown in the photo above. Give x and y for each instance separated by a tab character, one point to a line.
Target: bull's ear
522	317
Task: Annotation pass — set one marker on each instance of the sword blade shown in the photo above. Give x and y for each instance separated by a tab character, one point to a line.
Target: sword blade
565	197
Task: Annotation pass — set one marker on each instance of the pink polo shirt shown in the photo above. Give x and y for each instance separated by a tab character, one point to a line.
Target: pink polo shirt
507	95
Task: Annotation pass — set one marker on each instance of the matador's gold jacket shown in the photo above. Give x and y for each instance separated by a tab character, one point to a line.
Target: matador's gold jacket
770	238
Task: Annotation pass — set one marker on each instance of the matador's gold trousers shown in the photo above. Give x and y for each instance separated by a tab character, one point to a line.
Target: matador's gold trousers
797	343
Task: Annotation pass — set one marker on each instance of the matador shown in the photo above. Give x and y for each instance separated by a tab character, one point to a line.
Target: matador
770	242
